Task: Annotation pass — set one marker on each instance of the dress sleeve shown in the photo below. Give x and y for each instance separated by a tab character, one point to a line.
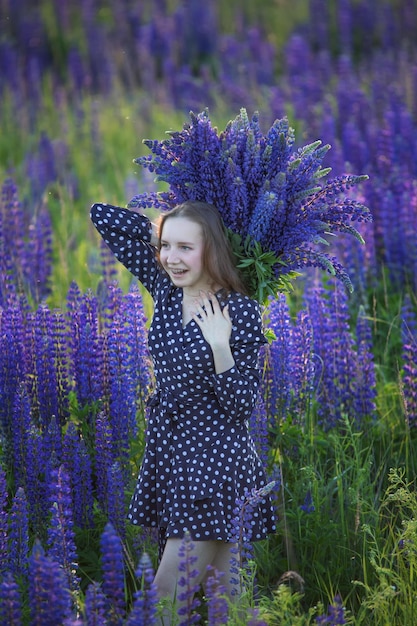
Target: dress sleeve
128	235
237	388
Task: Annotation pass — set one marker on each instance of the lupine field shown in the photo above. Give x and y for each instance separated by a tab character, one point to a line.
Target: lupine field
82	84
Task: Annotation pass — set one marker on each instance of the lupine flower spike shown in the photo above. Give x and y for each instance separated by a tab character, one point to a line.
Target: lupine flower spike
143	612
186	585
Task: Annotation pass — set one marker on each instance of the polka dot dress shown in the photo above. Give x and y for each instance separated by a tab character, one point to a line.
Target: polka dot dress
199	456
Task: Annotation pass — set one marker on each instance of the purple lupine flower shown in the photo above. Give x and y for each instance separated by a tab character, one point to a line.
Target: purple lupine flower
409	359
308	504
242	528
52	442
303	365
258	426
143	611
122	401
40	167
3	522
335	614
10	602
37	488
12	366
278	365
61	357
241	538
85	345
186	587
333	343
12	240
18	535
133	310
364	382
38	258
217	604
61	536
344	20
83	485
116	505
113	575
78	465
104	457
49	594
21	427
95	605
108	264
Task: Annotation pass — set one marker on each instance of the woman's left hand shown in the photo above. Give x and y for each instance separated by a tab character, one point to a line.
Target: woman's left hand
215	323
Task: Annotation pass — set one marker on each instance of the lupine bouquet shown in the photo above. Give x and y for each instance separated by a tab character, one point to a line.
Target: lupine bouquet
276	208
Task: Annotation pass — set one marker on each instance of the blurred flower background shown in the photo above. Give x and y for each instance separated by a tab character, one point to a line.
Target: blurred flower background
82	84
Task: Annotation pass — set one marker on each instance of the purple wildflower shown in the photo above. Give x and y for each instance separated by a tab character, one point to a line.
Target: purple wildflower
303	366
78	465
333	344
116	506
308	504
409	359
10	602
37	488
40	167
49	595
217	604
3	522
186	587
61	536
259	430
113	575
143	612
60	333
38	258
122	400
95	605
12	370
242	526
52	442
86	346
364	381
18	534
278	360
104	458
335	614
21	427
108	264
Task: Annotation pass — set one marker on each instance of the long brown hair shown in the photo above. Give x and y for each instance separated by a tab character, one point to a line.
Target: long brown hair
218	258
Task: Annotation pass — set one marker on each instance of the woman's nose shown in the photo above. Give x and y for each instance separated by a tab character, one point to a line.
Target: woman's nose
172	256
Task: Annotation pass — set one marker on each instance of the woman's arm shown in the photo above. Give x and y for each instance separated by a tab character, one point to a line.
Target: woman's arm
131	237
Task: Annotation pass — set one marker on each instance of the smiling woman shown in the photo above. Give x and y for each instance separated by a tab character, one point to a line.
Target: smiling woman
204	339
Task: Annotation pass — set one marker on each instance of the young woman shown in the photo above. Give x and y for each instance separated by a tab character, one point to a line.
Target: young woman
204	340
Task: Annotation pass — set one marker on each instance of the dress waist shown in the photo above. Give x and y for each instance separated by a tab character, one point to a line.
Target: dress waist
172	403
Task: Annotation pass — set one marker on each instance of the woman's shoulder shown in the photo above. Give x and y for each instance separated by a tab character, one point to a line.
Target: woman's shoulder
237	301
246	316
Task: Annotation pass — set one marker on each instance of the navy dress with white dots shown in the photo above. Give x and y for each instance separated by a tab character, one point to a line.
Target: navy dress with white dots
199	456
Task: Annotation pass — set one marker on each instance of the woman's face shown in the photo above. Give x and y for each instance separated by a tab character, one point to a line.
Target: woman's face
181	254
